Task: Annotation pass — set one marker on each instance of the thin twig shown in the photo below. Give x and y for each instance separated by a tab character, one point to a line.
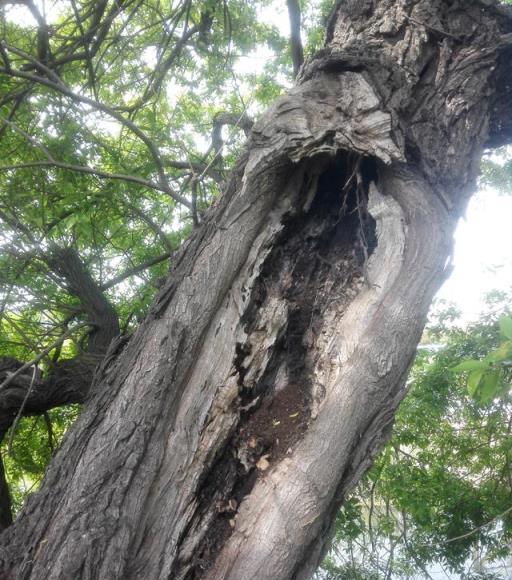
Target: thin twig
227	142
54	82
218	152
90	171
49	429
87	53
41	355
5	57
20	411
474	530
29	138
134	270
195	218
151	223
37	64
360	233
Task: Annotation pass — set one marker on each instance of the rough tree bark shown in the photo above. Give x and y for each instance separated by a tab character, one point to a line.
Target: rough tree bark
220	440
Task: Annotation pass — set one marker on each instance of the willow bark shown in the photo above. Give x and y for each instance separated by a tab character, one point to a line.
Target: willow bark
221	439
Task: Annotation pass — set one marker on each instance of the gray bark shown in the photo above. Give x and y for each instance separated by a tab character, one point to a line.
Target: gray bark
220	441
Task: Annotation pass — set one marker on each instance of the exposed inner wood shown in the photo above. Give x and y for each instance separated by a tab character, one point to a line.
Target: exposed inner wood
315	268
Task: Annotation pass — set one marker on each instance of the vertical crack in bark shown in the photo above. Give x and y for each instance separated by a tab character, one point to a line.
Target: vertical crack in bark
316	266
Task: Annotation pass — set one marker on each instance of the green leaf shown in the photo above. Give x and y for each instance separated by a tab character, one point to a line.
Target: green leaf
502	353
469	365
488	387
505	323
474	380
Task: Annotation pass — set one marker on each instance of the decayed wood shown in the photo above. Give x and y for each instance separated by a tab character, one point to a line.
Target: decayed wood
222	438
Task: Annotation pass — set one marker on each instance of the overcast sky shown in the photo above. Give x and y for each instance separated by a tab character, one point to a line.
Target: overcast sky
483	257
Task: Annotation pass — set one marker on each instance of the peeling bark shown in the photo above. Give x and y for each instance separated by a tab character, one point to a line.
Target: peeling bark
220	441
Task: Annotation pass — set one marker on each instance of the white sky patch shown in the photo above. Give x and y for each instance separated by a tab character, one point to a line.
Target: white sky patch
21	15
96	121
276	14
253	62
482	256
174	91
149	56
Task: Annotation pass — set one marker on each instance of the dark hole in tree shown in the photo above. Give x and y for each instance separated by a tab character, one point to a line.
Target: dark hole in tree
314	265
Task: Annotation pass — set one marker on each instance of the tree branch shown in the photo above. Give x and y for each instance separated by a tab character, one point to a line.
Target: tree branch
135	270
295	39
41	355
152	224
55	83
20	411
5	498
102	317
98	173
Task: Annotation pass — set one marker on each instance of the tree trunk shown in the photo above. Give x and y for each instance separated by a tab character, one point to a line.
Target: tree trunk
219	442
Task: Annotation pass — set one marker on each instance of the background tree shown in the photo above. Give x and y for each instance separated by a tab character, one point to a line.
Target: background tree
220	440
